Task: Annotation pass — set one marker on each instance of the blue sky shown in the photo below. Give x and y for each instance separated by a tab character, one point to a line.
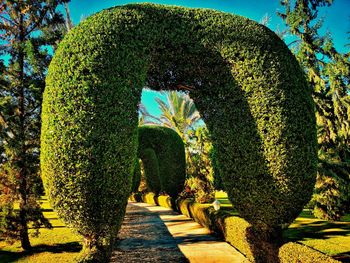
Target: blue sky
337	19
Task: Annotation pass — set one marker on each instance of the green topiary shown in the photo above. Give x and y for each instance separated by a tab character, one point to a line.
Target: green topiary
136	177
218	183
247	85
151	169
162	152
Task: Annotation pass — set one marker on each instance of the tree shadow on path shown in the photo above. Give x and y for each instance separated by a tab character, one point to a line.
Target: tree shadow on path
145	238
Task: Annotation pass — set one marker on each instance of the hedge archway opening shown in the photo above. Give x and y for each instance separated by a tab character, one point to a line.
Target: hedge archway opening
249	88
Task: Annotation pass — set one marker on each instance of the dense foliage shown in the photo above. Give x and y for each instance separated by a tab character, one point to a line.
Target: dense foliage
244	80
328	74
150	164
200	174
136	177
28	30
163	155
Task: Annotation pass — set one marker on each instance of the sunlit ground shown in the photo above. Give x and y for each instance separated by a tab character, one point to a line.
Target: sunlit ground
61	245
332	238
55	245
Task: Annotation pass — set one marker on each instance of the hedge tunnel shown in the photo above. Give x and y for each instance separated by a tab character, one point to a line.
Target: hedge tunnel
248	87
162	152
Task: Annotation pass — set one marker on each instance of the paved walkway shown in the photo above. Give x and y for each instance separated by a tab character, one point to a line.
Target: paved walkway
157	234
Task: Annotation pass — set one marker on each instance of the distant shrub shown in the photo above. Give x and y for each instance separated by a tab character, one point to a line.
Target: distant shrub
150	164
162	152
136	178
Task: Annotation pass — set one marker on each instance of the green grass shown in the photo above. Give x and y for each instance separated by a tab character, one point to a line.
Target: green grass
331	238
59	244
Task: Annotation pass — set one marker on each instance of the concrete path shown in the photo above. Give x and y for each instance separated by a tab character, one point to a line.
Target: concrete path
157	234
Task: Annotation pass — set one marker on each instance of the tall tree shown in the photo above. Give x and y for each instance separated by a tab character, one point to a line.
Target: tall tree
328	73
29	31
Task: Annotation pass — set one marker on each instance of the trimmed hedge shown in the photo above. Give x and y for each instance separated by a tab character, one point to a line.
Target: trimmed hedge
294	252
166	149
233	229
164	201
149	198
249	88
136	177
150	164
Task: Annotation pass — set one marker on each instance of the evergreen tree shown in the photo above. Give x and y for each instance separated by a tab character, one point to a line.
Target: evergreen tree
29	31
328	73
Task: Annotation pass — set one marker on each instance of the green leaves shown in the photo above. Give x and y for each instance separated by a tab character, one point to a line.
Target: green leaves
327	72
249	89
22	81
163	156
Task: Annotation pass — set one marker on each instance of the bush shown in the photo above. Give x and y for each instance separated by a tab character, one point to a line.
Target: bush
199	165
136	197
202	189
218	183
165	201
166	149
234	228
136	177
151	169
294	252
249	88
149	198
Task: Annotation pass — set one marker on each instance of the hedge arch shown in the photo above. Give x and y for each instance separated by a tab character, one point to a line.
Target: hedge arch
250	91
162	152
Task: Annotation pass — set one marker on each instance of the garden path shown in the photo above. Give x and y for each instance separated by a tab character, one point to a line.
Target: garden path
157	234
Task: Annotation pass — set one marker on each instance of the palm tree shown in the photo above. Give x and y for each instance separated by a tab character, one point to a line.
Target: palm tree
178	113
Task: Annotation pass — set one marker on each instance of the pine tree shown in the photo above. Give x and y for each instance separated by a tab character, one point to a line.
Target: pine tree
29	31
328	73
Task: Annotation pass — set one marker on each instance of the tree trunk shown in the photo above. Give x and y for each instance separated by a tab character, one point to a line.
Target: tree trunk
24	237
23	191
96	250
264	243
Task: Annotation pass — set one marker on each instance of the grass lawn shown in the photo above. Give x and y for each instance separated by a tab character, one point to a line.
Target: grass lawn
331	238
55	245
60	244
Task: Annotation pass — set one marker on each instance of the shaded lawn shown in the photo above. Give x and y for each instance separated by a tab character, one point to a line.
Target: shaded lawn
331	238
59	244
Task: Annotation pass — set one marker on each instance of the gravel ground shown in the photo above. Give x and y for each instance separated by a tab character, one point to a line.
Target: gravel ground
144	238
